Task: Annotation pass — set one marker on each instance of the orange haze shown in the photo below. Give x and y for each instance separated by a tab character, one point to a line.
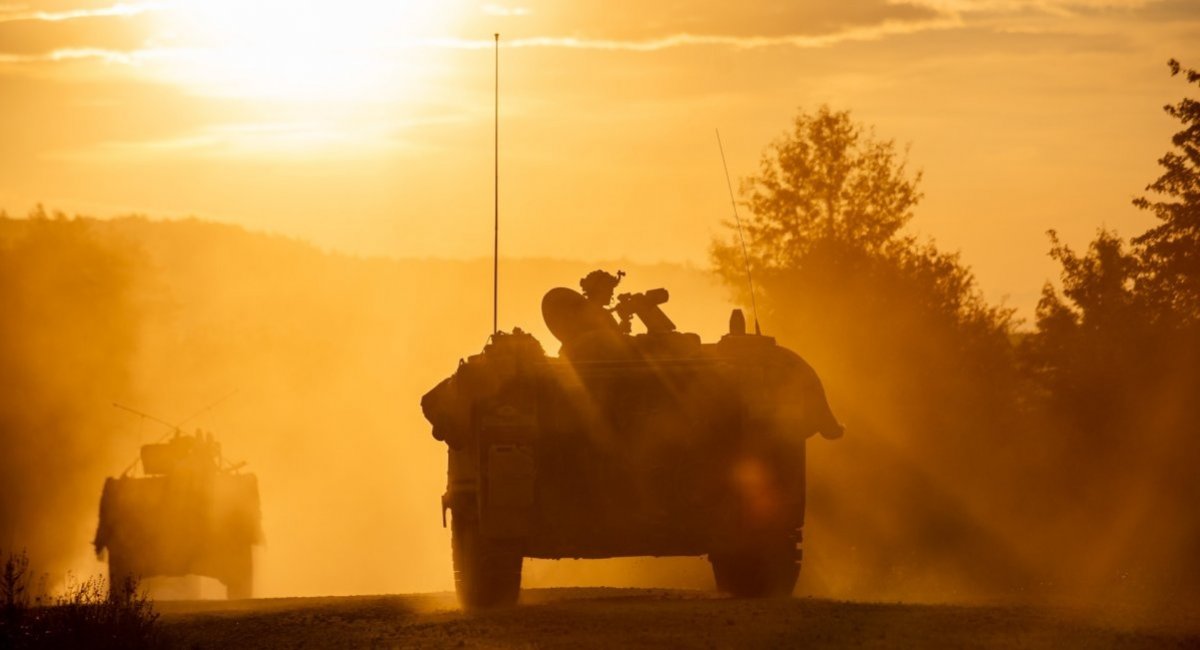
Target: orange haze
329	356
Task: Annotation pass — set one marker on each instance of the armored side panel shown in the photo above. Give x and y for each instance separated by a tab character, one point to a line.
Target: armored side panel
631	458
176	525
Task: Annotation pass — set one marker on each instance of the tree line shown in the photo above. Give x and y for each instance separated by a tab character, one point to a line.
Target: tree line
1002	455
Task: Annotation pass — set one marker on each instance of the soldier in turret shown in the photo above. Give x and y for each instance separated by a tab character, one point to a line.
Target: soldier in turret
598	287
594	331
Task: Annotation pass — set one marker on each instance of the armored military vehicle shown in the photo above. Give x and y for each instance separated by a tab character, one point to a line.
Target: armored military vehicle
192	513
652	444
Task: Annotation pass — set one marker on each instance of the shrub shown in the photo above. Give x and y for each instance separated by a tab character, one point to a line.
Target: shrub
84	615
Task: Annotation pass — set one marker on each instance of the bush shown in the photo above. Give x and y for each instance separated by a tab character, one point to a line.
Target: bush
84	615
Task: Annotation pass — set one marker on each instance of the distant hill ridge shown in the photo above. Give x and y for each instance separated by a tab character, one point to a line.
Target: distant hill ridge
182	253
163	236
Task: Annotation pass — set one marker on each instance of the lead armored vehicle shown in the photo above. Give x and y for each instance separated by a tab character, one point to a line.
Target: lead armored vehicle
190	514
653	444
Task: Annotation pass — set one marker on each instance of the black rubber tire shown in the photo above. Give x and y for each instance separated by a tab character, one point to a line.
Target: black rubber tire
120	578
239	583
487	572
764	567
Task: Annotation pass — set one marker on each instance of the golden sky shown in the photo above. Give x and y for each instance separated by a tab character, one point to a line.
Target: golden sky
366	126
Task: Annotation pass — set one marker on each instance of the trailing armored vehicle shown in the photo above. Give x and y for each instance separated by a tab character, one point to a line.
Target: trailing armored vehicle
653	444
191	514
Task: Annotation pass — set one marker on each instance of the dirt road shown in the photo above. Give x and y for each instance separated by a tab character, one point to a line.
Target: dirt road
624	618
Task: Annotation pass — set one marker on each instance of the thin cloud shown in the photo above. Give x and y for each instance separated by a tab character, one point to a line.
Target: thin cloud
942	15
120	28
636	20
874	32
74	54
871	33
1060	8
14	14
1051	6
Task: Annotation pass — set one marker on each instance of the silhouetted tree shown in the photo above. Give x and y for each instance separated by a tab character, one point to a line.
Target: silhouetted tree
1093	341
1171	250
828	207
829	179
1117	359
826	242
913	357
1127	319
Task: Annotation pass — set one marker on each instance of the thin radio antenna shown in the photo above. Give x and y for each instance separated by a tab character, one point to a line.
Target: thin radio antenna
147	416
496	194
741	237
212	405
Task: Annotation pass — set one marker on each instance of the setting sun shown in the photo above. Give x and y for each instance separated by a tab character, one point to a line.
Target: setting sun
347	52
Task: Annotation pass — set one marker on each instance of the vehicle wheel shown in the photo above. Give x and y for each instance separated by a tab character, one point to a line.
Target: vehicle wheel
487	572
764	567
121	580
239	582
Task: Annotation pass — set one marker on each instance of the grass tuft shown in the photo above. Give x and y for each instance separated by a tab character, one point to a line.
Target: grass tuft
86	615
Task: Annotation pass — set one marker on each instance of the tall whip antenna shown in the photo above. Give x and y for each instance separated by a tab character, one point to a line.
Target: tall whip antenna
741	237
212	405
496	194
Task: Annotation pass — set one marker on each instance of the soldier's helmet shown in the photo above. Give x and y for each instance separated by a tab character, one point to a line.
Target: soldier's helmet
598	285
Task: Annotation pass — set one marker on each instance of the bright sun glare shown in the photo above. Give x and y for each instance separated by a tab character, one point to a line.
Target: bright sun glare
348	51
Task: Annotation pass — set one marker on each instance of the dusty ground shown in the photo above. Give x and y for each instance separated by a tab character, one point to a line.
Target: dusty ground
623	618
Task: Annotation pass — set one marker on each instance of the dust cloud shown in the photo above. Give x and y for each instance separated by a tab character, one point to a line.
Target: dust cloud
966	474
327	356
